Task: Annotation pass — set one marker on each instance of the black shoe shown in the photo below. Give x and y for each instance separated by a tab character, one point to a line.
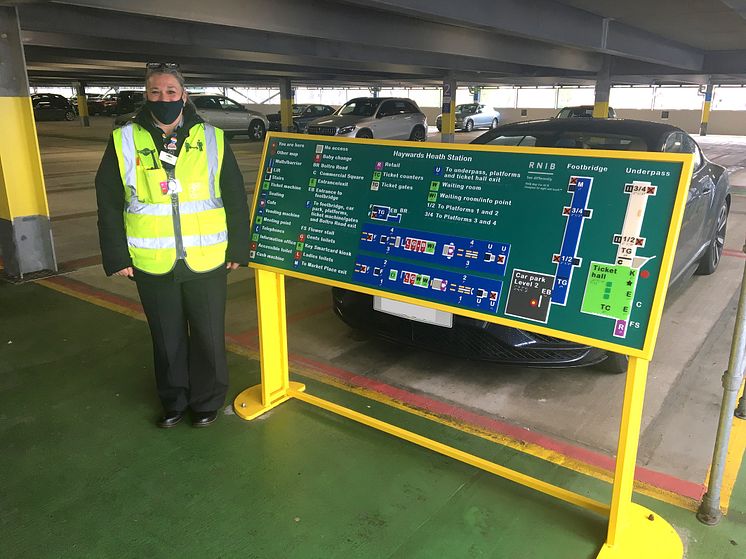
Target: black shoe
204	418
169	419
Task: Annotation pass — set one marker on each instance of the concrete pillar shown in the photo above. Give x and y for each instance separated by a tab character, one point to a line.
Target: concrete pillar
25	232
448	120
82	104
476	93
286	104
603	89
375	91
706	109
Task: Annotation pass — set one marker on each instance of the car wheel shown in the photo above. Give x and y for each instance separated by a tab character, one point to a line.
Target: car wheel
69	115
364	133
614	363
494	124
294	128
256	130
711	258
469	125
418	134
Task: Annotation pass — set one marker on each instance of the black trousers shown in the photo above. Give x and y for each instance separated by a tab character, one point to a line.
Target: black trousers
187	324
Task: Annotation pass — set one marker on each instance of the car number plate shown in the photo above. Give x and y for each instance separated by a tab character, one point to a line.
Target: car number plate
413	312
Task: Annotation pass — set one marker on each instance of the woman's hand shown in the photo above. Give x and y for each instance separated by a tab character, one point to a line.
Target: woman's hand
126	272
230	266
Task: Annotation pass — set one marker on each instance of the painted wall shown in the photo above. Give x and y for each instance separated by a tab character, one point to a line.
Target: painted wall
721	122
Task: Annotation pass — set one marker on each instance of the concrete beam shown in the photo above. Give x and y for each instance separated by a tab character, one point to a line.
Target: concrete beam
332	23
551	22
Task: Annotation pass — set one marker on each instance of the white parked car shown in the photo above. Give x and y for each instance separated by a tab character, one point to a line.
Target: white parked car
388	118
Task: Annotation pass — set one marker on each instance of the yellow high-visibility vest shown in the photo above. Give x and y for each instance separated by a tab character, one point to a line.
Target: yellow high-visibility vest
162	227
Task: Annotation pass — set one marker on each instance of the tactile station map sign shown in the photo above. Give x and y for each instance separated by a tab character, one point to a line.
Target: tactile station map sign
571	243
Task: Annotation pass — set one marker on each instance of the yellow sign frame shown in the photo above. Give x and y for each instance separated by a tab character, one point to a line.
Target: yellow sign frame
633	531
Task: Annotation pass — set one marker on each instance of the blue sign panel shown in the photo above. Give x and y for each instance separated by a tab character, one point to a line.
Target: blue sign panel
450	288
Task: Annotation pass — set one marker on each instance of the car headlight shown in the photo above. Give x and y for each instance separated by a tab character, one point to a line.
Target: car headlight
346	129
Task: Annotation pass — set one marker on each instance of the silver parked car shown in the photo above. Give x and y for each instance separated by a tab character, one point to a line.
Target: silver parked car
473	115
222	112
230	116
581	111
389	118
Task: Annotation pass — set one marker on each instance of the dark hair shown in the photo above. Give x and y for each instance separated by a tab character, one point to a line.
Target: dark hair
171	72
165	70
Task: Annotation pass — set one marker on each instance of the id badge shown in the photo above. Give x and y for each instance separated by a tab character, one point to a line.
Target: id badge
167	158
174	186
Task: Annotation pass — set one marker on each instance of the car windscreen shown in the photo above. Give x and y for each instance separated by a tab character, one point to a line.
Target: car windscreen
470	108
359	107
578	140
298	109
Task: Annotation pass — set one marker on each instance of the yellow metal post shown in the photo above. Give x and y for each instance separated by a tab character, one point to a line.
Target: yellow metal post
273	350
635	532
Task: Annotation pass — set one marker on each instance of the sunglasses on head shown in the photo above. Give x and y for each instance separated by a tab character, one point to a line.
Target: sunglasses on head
162	65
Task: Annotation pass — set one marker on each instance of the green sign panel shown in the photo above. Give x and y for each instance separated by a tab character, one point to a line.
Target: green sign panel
569	243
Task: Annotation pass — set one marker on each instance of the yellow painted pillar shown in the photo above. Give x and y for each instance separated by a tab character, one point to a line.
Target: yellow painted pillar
603	90
82	104
448	120
286	105
25	232
706	109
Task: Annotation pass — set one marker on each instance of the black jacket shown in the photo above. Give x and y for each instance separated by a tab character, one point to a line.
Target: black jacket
110	197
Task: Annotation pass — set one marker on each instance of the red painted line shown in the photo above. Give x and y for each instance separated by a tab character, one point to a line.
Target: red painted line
249	336
734	253
73	216
663	481
78	263
249	339
94	292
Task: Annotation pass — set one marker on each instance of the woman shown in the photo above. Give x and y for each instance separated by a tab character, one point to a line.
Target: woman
172	216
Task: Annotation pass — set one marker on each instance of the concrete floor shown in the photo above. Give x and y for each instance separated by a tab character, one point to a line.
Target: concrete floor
579	408
86	474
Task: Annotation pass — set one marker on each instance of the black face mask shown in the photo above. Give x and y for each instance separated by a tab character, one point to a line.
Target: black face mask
165	111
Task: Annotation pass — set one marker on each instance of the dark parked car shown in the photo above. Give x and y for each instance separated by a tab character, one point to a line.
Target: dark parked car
94	101
302	115
581	111
699	249
50	106
123	102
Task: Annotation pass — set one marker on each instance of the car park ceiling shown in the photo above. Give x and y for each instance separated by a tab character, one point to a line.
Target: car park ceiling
386	42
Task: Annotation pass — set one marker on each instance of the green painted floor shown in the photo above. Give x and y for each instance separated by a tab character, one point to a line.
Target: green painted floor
86	474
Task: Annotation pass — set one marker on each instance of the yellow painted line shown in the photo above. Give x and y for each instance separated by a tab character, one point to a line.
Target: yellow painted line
91	297
733	460
522	446
528	448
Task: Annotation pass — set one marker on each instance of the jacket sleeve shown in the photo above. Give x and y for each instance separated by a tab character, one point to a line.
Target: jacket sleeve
110	198
233	193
